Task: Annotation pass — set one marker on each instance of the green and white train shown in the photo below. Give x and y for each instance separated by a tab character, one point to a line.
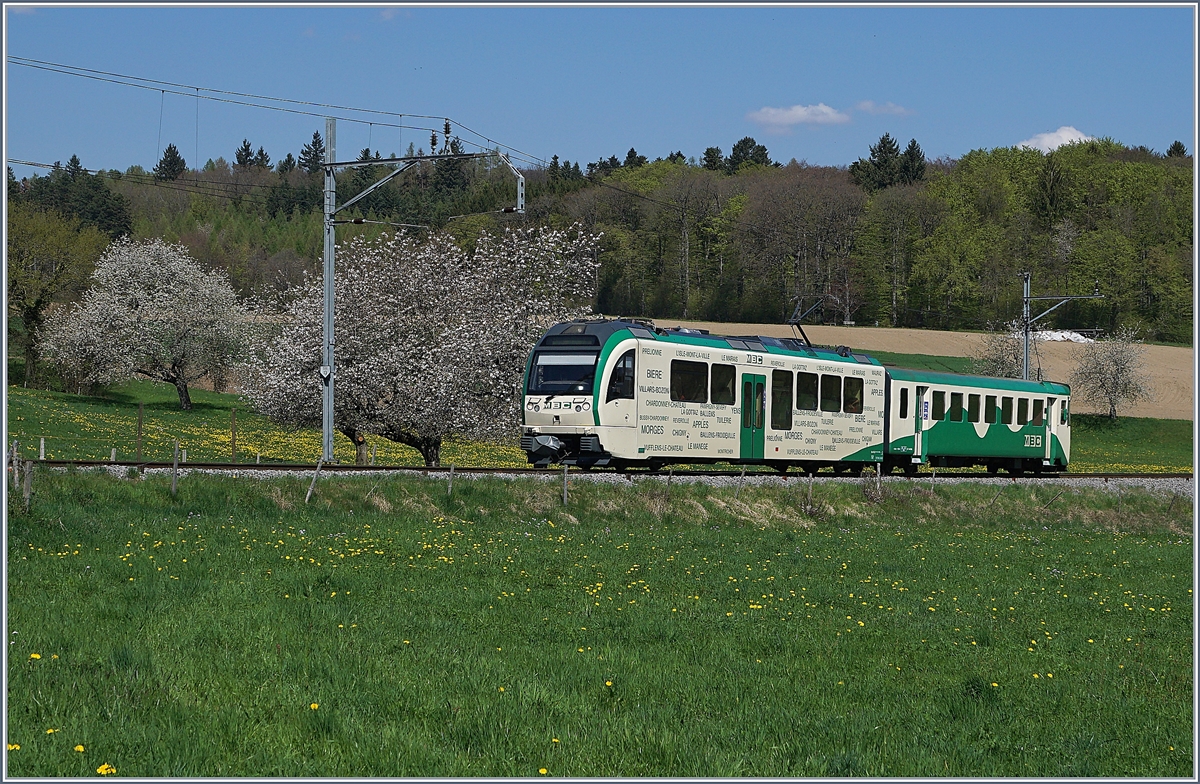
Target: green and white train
622	393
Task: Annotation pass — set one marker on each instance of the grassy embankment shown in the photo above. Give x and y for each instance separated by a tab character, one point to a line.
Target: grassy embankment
78	427
389	629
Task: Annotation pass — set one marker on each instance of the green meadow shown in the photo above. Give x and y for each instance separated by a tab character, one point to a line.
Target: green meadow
388	628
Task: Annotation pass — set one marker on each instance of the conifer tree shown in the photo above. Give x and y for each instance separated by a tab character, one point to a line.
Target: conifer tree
912	163
714	159
312	155
1177	150
261	159
244	156
171	166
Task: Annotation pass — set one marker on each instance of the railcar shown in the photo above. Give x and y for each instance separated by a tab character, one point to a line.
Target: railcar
623	393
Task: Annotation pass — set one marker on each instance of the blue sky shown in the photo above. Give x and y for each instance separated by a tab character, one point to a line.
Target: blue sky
811	83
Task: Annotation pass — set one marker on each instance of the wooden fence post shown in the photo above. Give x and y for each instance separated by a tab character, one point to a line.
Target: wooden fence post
313	483
450	481
42	449
233	435
28	488
564	485
175	469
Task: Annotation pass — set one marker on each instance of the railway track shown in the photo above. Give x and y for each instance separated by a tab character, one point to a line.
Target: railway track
340	468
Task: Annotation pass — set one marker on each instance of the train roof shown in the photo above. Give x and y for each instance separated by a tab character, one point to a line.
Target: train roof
596	332
1014	384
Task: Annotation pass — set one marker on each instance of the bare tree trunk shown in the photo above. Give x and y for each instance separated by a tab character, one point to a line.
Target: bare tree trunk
362	454
185	400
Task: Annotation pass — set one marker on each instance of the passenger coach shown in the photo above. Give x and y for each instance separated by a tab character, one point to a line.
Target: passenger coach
624	393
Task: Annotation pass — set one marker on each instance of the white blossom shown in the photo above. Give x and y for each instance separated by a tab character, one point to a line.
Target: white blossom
151	311
430	341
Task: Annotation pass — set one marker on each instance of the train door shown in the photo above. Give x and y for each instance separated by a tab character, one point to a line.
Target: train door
754	393
1048	431
620	406
921	404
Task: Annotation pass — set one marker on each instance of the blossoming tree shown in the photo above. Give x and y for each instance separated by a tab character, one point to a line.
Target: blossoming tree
431	340
151	311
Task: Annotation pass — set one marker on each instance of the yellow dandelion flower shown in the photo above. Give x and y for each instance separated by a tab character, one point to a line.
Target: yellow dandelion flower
313	706
608	683
79	748
1036	675
1049	675
51	730
35	655
54	656
542	771
554	740
14	747
501	688
106	769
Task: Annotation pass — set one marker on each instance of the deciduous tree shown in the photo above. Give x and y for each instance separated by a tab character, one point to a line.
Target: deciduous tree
1109	372
153	312
431	341
47	256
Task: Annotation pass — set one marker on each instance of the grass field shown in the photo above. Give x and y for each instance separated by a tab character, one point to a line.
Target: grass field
78	427
389	629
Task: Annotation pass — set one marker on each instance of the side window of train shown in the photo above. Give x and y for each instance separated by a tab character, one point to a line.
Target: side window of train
1062	416
972	408
724	388
989	409
1006	411
956	407
1022	411
620	383
852	402
939	406
1037	411
806	391
689	381
781	400
904	402
831	392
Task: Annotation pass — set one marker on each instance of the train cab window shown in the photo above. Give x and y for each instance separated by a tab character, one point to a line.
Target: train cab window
747	403
972	408
1037	412
831	392
989	409
806	391
689	381
852	398
939	406
723	387
620	383
1062	413
1022	411
904	402
781	400
1006	411
956	407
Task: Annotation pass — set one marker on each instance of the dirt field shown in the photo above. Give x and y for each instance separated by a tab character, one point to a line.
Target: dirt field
1172	370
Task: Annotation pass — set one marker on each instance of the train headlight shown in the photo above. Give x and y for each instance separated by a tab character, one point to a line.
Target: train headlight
578	408
529	405
587	406
536	407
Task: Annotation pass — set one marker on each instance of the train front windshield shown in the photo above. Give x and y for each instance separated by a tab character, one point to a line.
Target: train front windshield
562	374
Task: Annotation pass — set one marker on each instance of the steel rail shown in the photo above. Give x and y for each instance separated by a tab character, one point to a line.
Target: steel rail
631	472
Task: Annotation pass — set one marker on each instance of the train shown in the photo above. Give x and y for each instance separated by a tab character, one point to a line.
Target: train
623	393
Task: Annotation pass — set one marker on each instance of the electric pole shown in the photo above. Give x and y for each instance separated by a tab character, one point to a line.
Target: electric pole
331	209
1026	299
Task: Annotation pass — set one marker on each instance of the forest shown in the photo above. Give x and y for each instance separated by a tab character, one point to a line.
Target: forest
890	239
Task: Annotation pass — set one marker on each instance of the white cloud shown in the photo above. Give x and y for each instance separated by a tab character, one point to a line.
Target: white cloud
870	107
1047	142
782	120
